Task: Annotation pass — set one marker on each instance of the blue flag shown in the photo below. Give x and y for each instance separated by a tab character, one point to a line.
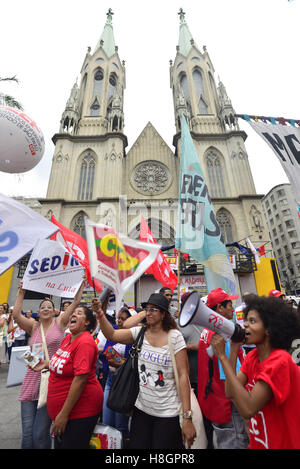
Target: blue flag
198	232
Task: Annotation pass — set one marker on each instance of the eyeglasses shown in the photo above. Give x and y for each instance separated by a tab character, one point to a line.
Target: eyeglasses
151	310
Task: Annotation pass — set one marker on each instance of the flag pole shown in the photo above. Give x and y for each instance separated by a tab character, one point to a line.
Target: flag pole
139	291
94	287
178	280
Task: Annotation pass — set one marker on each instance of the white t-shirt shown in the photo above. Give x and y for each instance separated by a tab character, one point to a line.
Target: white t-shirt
158	393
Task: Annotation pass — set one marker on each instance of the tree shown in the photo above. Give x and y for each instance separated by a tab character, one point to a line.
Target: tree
7	100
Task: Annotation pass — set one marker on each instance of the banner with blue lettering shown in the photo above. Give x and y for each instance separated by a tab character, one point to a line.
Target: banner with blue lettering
198	232
285	143
20	228
52	270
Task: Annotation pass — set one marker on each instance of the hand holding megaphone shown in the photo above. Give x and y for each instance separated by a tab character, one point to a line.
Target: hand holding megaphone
194	311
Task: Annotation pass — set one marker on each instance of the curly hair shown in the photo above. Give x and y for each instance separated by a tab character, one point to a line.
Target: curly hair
283	324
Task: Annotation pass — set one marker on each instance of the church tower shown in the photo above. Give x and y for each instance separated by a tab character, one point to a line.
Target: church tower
217	138
91	144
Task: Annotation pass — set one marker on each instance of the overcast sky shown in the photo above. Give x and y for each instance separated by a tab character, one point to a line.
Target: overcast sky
253	45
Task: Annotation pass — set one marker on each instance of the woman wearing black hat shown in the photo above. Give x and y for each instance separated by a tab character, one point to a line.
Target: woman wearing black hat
155	420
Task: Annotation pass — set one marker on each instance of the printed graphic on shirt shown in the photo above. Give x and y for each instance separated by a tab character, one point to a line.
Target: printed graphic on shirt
154	379
258	429
257	426
204	336
58	361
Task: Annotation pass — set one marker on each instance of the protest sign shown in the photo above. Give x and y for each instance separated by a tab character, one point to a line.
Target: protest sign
52	270
117	260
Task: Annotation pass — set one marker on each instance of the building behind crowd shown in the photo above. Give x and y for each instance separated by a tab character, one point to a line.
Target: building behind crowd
94	174
281	213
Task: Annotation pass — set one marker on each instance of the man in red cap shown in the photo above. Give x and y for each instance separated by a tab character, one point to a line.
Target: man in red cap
277	294
228	425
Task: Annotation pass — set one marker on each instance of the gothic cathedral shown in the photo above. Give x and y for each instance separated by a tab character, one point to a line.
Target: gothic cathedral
93	175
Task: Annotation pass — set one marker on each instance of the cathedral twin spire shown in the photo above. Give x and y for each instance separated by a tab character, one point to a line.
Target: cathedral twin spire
100	94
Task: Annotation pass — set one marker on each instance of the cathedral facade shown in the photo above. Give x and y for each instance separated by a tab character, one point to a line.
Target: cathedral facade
93	174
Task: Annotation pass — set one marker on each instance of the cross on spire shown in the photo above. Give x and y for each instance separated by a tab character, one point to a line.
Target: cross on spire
181	14
109	15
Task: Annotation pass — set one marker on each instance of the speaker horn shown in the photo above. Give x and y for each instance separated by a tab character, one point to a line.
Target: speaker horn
194	311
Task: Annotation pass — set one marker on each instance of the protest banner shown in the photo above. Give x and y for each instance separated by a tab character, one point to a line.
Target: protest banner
52	270
198	232
77	247
20	228
160	269
116	260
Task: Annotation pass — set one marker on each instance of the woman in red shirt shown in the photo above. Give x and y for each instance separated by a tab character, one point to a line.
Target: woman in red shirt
75	396
266	390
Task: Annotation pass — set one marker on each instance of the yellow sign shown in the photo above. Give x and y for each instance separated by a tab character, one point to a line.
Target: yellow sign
5	283
264	276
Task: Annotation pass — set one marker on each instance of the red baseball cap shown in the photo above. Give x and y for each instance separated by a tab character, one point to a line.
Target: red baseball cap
276	293
217	296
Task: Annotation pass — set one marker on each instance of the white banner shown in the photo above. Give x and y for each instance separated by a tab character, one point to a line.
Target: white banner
117	260
285	142
52	270
20	228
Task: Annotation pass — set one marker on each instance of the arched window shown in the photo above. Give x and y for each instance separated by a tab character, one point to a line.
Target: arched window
199	90
78	225
86	178
184	85
215	175
95	108
223	218
113	80
163	233
97	90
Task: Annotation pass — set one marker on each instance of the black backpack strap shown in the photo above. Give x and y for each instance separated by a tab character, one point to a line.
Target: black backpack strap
136	347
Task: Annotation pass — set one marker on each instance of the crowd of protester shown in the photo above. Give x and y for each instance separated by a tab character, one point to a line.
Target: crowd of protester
247	392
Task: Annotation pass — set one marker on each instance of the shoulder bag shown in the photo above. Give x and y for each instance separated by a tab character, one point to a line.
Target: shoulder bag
200	441
125	386
44	375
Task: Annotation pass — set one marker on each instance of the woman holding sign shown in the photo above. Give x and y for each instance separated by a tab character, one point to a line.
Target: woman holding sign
36	422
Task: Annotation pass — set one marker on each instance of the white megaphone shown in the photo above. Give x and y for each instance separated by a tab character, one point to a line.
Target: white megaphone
194	311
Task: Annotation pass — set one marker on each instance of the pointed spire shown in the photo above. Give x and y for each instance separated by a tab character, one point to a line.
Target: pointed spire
107	40
185	37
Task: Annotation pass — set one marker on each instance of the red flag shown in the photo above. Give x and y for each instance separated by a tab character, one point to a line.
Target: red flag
77	247
261	250
160	269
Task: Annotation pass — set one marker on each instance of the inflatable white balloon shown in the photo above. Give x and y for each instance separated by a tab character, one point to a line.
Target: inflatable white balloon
22	143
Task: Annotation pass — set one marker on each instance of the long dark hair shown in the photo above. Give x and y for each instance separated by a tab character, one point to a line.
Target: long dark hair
89	317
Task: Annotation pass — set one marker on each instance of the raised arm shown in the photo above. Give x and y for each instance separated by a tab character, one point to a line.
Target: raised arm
122	336
63	319
134	320
27	324
247	403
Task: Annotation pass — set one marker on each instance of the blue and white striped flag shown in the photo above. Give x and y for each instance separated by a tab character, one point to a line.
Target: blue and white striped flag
198	232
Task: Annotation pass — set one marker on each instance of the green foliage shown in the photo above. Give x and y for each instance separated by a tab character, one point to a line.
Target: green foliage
6	99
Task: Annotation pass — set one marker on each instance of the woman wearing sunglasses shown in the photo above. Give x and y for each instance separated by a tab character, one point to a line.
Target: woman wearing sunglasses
155	420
